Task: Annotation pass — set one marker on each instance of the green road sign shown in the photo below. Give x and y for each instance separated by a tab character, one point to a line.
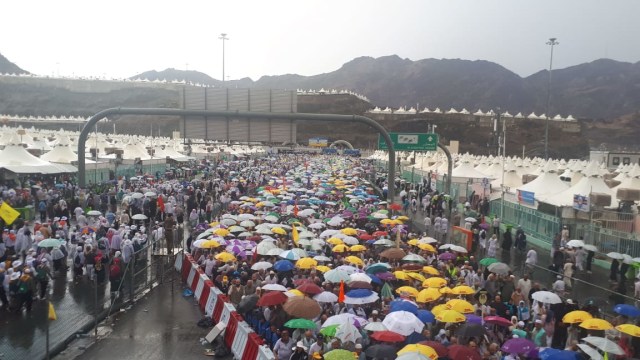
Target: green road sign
411	142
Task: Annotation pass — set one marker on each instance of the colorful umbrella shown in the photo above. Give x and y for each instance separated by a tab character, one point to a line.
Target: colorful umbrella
425	350
450	316
627	310
301	324
225	257
272	298
463	352
434	282
387	336
576	317
329	330
440	349
596	324
310	288
408	290
488	261
428	295
497	320
403	323
430	270
461	306
339	354
302	307
629	329
283	266
462	290
306	263
518	346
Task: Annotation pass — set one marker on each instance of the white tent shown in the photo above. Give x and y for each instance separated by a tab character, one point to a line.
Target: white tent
511	178
548	183
17	160
592	182
465	170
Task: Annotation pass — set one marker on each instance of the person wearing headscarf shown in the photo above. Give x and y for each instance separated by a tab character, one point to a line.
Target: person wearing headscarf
127	251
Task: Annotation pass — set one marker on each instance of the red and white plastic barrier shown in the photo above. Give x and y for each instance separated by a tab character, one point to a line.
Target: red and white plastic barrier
244	343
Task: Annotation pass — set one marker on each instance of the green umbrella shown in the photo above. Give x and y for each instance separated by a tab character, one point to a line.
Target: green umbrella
488	261
339	354
301	324
386	291
329	330
292	220
49	243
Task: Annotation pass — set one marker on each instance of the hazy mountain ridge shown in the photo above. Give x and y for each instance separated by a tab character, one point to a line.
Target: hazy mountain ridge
7	67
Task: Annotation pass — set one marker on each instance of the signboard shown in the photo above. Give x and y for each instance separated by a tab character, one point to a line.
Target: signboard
319	142
526	197
581	203
411	142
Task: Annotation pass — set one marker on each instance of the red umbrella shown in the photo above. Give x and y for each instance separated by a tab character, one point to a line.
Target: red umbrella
463	352
498	320
438	347
272	298
380	233
365	237
299	282
395	207
360	285
310	288
387	336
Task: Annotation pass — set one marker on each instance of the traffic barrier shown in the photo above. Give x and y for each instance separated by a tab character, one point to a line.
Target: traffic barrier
243	341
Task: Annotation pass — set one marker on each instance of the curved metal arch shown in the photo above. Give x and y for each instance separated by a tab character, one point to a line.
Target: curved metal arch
89	125
341	142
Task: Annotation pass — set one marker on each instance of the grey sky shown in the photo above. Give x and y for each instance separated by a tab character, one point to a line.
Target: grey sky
309	37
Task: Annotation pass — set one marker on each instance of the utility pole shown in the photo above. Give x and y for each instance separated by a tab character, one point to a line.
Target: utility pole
552	42
224	38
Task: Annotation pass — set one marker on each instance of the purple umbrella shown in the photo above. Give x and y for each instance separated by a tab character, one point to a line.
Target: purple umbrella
447	256
235	249
347	214
474	319
518	346
386	276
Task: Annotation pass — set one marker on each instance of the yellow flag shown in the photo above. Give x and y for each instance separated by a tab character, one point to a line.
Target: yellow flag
294	235
8	214
52	312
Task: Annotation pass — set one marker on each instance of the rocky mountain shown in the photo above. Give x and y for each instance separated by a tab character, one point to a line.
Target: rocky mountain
7	67
600	89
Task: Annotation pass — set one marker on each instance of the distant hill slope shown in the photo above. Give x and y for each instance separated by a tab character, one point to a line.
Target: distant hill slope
7	67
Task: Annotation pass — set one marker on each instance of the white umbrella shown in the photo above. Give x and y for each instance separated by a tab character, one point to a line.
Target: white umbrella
546	297
575	243
321	258
306	234
590	248
326	297
350	240
274	252
328	233
94	213
615	255
334	223
470	219
385	242
139	217
249	217
360	277
306	212
344	318
428	240
137	195
150	194
412	356
375	326
458	248
264	231
300	252
348	269
261	265
591	352
403	323
247	223
274	287
604	344
445	247
227	222
264	247
414	258
361	300
499	268
348	332
289	255
317	226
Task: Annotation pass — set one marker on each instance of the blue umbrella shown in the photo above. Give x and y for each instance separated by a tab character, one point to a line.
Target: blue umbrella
426	316
375	279
555	354
401	305
283	265
473	319
627	310
376	268
359	293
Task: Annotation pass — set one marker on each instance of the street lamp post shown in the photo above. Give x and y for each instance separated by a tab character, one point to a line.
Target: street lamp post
223	37
552	42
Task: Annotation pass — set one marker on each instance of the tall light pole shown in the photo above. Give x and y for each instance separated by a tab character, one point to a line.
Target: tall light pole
552	42
223	37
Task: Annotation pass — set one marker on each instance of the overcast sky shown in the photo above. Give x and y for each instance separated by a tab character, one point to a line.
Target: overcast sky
122	38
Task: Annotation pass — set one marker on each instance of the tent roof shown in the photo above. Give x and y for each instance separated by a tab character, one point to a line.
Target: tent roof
16	159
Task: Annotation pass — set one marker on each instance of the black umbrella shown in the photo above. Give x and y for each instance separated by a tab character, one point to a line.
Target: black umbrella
470	330
248	303
381	352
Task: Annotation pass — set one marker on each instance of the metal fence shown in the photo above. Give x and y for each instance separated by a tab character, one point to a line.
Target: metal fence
611	231
535	223
82	304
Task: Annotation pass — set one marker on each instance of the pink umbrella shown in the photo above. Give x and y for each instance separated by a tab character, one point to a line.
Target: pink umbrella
497	320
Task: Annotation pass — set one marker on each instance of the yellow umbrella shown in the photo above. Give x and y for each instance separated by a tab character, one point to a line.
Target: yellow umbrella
322	268
349	231
413	242
463	290
225	257
335	241
425	350
387	222
340	248
436	282
576	317
221	232
210	244
402	218
426	247
401	275
629	329
430	270
354	260
413	292
450	316
445	290
428	295
215	223
306	263
416	276
438	309
279	231
461	306
596	324
357	248
296	292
